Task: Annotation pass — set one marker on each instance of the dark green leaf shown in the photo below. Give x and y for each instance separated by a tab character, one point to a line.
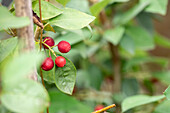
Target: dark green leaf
127	43
7	20
114	35
65	77
72	19
130	14
48	10
139	100
63	103
6	47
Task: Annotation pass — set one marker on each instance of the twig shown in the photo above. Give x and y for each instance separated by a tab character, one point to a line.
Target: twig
104	109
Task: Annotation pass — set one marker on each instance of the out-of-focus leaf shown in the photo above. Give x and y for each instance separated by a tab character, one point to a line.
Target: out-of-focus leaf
72	19
48	10
114	35
7	20
163	76
19	67
64	103
139	100
65	77
167	93
98	7
148	25
26	96
127	44
130	14
142	39
63	2
6	47
157	6
163	107
75	4
130	87
161	41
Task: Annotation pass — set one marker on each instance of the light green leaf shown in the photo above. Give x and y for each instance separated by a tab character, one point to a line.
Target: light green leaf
7	20
48	10
63	2
157	6
163	107
20	66
123	18
167	93
162	41
75	4
98	7
61	102
72	19
114	35
65	77
139	100
142	39
163	76
26	96
6	47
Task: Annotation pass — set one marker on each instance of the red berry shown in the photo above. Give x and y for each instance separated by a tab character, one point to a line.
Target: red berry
49	41
64	46
60	61
48	64
98	107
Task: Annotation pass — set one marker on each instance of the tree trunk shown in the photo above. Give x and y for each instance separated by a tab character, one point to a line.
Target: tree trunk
23	8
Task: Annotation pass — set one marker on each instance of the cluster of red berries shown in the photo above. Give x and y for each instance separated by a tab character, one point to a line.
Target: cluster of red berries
63	47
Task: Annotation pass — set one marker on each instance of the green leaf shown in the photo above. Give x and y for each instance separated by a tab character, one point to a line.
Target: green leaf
125	17
163	76
163	107
98	7
167	93
63	2
75	4
157	6
162	41
75	38
142	39
6	47
114	35
7	20
19	67
48	27
72	19
26	96
114	1
65	77
63	103
139	100
127	43
48	10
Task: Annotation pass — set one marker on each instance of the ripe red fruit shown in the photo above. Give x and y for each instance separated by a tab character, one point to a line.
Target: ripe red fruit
98	107
60	61
48	64
49	41
64	46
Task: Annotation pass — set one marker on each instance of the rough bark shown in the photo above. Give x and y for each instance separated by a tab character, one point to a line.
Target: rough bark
23	8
